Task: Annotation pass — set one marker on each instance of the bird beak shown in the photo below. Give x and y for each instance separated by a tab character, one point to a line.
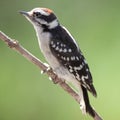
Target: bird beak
28	15
24	13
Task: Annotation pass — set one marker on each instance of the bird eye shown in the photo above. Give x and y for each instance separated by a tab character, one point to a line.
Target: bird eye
37	14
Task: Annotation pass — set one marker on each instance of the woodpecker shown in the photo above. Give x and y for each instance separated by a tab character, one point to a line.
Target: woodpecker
63	54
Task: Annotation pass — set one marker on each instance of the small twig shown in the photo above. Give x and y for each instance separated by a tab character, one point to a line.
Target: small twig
17	47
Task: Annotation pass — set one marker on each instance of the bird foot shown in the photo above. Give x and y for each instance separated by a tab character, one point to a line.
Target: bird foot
46	70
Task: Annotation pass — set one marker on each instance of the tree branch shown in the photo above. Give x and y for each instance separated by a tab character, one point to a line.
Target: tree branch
17	47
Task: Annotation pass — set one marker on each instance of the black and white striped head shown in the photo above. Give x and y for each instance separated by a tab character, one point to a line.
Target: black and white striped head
42	17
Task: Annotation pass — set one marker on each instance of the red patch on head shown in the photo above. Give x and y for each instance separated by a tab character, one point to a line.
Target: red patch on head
48	10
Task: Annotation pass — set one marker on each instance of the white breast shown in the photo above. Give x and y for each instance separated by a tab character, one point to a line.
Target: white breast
43	40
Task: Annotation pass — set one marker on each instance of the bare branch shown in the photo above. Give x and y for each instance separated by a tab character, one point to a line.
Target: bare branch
17	47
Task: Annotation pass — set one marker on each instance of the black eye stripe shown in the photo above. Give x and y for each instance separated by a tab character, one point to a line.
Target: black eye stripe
37	14
48	18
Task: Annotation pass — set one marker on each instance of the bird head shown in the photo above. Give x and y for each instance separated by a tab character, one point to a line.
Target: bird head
41	17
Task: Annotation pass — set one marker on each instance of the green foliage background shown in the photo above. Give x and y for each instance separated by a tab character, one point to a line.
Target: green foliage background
25	94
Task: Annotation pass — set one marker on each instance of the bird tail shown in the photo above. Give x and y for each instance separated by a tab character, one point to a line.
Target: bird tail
92	90
89	108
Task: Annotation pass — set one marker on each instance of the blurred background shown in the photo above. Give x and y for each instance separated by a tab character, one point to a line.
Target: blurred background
25	94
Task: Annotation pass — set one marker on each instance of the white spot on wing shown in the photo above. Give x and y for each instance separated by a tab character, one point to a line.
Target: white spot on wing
73	58
57	48
77	58
60	50
84	77
78	68
71	70
67	58
64	45
83	63
70	67
77	76
61	45
64	58
69	50
53	45
65	50
58	43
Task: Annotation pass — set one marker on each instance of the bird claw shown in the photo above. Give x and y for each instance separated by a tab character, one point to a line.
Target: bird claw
50	78
46	70
55	81
46	64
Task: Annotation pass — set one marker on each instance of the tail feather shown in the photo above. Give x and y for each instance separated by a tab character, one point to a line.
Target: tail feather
92	90
89	109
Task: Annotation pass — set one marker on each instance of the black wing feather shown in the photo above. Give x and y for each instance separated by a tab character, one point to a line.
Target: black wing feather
66	50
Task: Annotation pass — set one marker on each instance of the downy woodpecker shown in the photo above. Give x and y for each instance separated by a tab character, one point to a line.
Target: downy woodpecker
62	53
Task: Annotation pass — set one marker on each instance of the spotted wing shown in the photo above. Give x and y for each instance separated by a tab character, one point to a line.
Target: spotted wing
68	54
